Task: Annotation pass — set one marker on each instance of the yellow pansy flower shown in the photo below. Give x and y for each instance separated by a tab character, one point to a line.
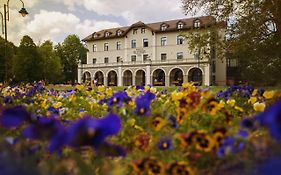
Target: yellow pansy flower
255	92
79	87
58	104
253	100
268	94
231	102
259	107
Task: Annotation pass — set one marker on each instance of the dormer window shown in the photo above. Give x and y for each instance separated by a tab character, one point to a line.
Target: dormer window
180	25
107	34
164	27
135	31
119	32
196	23
95	35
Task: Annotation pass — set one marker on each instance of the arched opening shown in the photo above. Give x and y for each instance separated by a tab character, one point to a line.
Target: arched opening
86	77
158	78
195	75
140	77
99	78
176	77
128	78
112	78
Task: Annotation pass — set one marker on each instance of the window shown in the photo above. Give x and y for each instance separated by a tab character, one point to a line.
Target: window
94	60
180	55
118	59
133	58
180	25
180	40
135	31
196	23
94	48
145	57
107	34
95	35
106	60
163	27
163	56
105	46
163	41
145	42
232	62
142	30
119	33
118	45
134	43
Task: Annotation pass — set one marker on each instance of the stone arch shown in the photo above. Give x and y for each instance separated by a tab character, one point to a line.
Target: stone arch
158	77
140	77
127	78
195	75
99	78
112	78
86	77
176	76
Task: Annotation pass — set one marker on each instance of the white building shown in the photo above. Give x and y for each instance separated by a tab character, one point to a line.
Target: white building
154	53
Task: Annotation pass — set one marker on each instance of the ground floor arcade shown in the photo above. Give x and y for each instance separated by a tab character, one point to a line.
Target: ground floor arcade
143	75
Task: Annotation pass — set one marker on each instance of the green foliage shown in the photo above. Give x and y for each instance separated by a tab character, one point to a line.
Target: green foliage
70	52
10	53
253	35
27	65
52	69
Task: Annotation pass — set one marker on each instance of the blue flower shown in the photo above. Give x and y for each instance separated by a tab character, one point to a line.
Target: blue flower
165	144
271	118
173	121
92	132
14	116
118	99
230	145
47	128
8	99
143	103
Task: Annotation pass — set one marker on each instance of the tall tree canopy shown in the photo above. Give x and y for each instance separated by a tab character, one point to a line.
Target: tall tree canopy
52	69
253	35
70	52
27	65
6	55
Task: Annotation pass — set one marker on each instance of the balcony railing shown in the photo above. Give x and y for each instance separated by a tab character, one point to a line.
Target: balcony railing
148	62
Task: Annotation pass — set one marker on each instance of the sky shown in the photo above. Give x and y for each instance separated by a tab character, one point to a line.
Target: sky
56	19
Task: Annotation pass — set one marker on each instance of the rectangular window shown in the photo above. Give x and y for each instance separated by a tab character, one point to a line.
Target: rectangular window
105	46
94	60
94	48
106	60
145	57
180	55
145	42
163	56
118	59
142	30
163	41
232	62
133	58
118	45
180	40
134	43
135	31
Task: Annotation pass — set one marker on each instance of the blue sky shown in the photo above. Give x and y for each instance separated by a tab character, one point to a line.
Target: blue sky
55	19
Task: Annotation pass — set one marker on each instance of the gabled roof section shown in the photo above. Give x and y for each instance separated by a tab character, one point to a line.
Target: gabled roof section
154	27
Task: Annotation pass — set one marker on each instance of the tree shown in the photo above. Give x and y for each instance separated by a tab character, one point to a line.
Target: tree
6	59
27	65
52	69
70	52
253	35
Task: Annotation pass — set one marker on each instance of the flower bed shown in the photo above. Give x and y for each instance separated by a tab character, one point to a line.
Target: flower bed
139	130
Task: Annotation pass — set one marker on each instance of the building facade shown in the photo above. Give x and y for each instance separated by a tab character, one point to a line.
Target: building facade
154	53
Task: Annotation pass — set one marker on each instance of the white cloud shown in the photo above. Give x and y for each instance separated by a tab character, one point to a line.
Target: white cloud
55	26
135	10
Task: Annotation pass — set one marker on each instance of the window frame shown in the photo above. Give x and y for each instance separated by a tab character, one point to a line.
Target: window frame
164	42
143	42
106	60
197	23
143	30
147	56
180	38
105	47
161	57
179	55
135	31
95	48
118	45
135	56
133	43
94	61
180	25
